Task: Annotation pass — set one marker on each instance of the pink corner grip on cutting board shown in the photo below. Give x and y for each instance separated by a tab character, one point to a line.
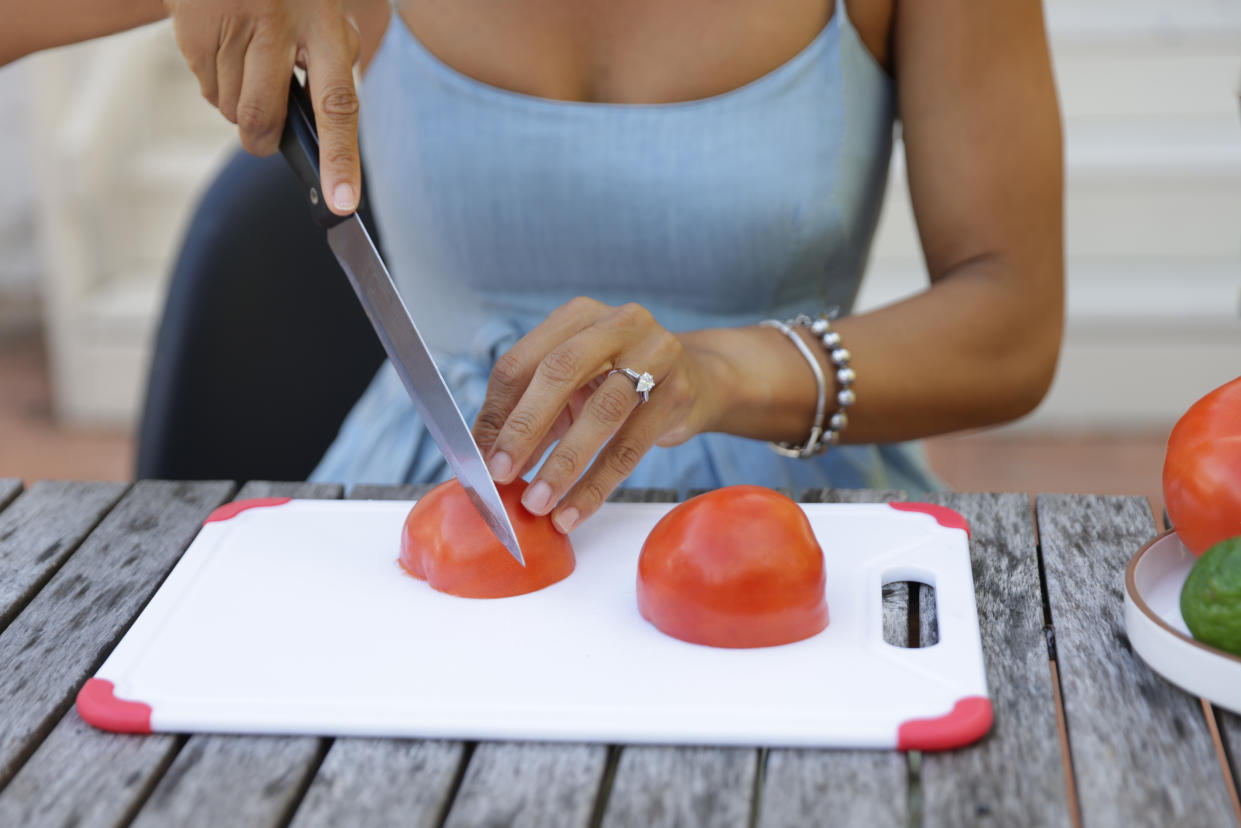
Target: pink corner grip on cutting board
945	516
968	721
231	510
98	705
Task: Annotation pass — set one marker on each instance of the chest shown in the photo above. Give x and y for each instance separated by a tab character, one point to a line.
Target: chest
631	51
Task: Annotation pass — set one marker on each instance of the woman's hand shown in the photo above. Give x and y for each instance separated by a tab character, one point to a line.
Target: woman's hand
243	53
553	387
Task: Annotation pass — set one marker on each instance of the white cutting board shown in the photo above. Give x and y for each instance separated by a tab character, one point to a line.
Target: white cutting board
296	618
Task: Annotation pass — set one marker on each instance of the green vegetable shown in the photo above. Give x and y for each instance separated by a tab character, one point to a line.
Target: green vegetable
1211	597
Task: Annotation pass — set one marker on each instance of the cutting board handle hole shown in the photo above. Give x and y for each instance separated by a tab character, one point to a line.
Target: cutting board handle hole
910	619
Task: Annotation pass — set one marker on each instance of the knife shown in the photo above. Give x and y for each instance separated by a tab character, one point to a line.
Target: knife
347	236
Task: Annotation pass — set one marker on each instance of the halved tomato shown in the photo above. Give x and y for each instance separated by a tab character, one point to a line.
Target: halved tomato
446	543
735	567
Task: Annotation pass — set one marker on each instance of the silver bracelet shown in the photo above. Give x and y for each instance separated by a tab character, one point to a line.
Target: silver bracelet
822	436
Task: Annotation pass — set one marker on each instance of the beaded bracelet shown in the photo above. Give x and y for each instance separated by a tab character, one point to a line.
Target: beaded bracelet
821	436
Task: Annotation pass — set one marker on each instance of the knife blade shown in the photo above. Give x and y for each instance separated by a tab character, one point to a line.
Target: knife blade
365	269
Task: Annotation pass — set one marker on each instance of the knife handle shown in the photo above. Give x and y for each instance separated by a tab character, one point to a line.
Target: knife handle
299	144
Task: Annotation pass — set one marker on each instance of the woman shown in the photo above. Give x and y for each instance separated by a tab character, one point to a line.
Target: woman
687	171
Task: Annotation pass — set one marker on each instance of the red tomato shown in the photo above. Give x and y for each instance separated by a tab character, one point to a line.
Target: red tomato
1202	470
446	543
735	567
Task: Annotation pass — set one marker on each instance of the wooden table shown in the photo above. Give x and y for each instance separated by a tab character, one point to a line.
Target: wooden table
1085	732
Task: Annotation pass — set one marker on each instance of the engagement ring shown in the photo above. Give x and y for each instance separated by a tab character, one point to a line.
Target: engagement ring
642	382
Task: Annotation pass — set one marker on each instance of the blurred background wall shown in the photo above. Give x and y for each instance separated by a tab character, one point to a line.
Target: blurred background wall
105	147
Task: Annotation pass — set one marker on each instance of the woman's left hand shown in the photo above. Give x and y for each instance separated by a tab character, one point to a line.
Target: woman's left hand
553	388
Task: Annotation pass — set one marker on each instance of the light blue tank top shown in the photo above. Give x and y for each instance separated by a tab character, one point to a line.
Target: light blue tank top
496	207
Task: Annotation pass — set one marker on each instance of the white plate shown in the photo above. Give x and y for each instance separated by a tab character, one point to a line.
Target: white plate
1153	582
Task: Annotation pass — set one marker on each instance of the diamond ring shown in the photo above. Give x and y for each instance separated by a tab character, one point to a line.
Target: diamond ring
642	382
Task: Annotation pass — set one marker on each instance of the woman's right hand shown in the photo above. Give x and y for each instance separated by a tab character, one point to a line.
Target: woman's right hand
243	53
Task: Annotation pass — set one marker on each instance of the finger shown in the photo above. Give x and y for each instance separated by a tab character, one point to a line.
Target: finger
558	430
565	369
230	62
265	92
602	416
330	61
515	368
615	462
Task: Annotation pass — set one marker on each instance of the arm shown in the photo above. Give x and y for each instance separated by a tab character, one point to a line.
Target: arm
31	26
978	347
982	139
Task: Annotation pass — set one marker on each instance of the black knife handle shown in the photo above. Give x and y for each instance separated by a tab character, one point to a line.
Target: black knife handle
299	144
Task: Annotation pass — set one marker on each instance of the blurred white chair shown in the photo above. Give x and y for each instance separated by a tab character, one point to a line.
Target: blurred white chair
123	143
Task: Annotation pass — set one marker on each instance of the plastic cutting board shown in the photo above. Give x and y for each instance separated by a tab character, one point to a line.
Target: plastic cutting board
294	617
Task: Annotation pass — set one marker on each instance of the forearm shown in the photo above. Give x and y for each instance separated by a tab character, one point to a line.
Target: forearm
977	349
32	26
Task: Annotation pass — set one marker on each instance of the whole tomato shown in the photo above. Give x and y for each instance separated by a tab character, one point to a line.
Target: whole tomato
446	543
735	567
1202	470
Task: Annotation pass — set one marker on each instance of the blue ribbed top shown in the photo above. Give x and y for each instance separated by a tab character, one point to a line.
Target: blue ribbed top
495	207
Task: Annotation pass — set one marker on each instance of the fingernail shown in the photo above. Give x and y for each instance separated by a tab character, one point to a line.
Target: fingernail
343	197
566	520
500	465
538	498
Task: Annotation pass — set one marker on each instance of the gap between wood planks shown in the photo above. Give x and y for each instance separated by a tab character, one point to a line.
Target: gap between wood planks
308	778
1049	631
467	753
605	787
144	793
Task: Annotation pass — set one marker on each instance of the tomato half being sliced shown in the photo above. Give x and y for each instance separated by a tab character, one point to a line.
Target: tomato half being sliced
446	543
735	567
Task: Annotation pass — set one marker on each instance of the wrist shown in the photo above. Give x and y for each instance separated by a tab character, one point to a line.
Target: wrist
759	386
721	391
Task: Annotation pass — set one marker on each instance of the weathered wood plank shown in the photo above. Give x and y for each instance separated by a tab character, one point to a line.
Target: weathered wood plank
239	780
279	488
410	491
9	489
1140	748
682	786
84	777
382	781
854	787
42	528
852	495
64	633
1229	725
1016	775
524	784
232	780
378	782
